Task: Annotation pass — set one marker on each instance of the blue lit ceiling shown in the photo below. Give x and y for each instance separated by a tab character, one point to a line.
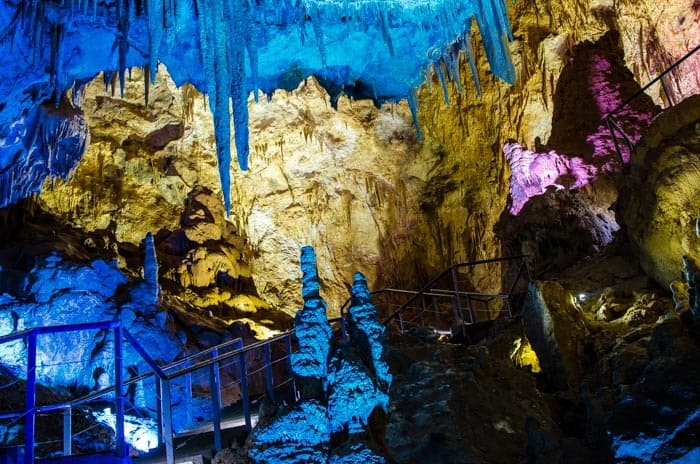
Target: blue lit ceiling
379	49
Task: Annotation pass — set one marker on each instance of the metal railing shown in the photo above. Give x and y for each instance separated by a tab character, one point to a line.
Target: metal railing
229	375
450	301
228	371
614	127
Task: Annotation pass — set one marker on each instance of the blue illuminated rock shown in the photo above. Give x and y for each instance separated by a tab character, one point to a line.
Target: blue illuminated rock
355	453
359	378
46	142
366	330
353	395
147	293
355	383
311	324
59	293
300	435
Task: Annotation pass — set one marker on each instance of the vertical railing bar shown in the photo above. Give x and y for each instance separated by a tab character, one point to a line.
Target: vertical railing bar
159	411
188	395
67	431
30	399
437	310
119	393
616	143
288	348
167	421
455	286
526	260
215	391
508	308
517	278
669	97
244	391
269	381
470	308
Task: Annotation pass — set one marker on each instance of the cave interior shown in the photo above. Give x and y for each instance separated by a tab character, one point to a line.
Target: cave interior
454	231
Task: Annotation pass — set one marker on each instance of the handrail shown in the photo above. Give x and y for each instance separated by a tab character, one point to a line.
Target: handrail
614	128
100	325
202	353
428	287
654	81
228	355
163	377
373	293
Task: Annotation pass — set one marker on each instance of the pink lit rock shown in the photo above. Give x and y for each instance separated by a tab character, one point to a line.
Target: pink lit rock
532	173
595	85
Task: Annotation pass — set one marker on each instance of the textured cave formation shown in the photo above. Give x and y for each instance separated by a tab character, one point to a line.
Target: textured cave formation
335	161
230	49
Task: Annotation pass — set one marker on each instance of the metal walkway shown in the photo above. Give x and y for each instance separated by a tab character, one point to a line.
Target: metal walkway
221	383
452	302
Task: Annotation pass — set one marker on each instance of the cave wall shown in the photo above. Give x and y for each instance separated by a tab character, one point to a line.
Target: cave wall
356	183
547	111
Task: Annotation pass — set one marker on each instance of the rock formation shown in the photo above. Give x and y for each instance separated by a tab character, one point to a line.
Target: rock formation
310	362
61	293
556	332
665	185
618	356
330	421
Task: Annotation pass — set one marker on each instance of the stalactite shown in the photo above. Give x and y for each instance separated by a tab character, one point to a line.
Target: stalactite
229	29
123	23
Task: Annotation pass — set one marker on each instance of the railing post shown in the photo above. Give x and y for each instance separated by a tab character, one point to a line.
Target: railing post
470	308
616	143
344	330
517	278
244	391
669	97
214	388
455	286
269	380
188	395
437	309
288	348
422	312
159	410
167	420
119	393
30	399
67	431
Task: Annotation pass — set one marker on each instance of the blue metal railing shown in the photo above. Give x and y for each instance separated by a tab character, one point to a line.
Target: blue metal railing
212	359
455	303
